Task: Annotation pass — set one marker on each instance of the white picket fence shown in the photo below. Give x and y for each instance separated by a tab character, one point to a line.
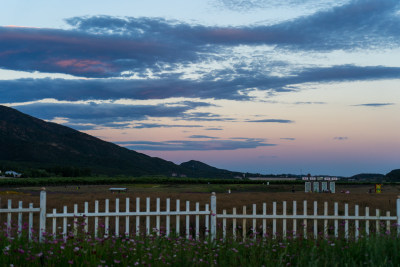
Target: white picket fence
235	222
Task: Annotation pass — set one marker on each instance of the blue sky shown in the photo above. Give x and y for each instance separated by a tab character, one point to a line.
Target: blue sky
259	86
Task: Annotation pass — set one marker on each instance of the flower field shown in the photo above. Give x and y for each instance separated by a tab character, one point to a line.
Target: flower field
377	250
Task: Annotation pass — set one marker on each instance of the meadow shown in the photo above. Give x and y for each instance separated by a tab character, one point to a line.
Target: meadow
241	194
376	250
379	249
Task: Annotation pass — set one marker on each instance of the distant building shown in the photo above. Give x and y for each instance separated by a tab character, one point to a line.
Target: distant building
13	174
183	175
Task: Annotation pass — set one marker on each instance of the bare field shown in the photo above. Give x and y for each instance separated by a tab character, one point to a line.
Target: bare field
59	196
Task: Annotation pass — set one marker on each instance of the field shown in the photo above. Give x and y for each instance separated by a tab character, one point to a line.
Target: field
241	194
378	250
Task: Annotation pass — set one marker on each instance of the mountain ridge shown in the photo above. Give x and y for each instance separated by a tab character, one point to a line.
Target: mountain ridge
30	142
24	138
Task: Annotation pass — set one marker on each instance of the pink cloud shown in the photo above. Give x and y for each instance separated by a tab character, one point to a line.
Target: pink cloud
85	65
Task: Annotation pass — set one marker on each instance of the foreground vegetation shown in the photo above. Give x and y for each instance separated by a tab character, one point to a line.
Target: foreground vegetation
176	251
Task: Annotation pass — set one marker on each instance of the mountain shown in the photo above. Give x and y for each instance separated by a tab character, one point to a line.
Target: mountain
31	142
394	175
199	169
368	176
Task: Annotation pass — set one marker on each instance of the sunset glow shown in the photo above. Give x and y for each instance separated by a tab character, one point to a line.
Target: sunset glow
252	86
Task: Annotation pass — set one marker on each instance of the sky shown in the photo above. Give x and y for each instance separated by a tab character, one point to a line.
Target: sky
261	86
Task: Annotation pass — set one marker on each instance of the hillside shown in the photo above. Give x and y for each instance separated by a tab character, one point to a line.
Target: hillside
199	169
394	175
368	176
32	142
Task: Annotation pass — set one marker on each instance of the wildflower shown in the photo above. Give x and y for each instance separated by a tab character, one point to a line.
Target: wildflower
70	262
117	261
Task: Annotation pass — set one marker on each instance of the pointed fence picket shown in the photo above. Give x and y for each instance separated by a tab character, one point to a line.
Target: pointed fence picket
100	222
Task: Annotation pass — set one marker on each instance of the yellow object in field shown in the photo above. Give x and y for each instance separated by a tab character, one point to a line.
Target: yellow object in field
378	188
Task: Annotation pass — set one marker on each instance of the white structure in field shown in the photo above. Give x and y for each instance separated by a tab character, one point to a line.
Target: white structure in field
13	174
319	184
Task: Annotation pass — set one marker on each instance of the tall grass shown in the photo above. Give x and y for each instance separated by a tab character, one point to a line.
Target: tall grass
153	250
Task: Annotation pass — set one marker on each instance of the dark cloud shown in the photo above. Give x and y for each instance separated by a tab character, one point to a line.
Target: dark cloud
72	90
203	136
213	129
158	125
341	138
374	105
80	127
288	138
104	46
83	53
272	120
105	114
205	116
183	145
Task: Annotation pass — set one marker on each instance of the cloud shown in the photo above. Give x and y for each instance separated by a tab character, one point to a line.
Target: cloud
104	46
80	126
158	125
203	136
288	138
341	138
183	145
374	105
204	116
272	120
107	114
23	90
88	54
213	129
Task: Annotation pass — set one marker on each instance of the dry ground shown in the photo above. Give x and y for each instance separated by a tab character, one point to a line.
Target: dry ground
241	195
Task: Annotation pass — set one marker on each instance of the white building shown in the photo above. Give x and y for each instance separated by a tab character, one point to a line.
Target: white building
13	174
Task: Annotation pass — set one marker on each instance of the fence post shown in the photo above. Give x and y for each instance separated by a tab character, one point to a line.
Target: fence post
398	215
213	225
42	217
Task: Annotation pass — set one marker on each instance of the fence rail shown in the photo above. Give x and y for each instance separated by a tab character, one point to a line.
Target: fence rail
294	224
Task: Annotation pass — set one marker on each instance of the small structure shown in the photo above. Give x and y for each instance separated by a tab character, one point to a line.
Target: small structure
378	188
118	189
319	184
13	174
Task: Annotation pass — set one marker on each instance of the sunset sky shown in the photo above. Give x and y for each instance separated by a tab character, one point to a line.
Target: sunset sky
267	86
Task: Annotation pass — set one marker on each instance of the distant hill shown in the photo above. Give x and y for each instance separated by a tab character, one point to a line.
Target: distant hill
368	176
199	169
394	175
31	142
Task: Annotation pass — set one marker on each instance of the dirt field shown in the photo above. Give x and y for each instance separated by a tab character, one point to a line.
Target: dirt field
241	195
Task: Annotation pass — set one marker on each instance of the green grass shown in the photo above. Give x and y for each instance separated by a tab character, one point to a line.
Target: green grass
381	250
